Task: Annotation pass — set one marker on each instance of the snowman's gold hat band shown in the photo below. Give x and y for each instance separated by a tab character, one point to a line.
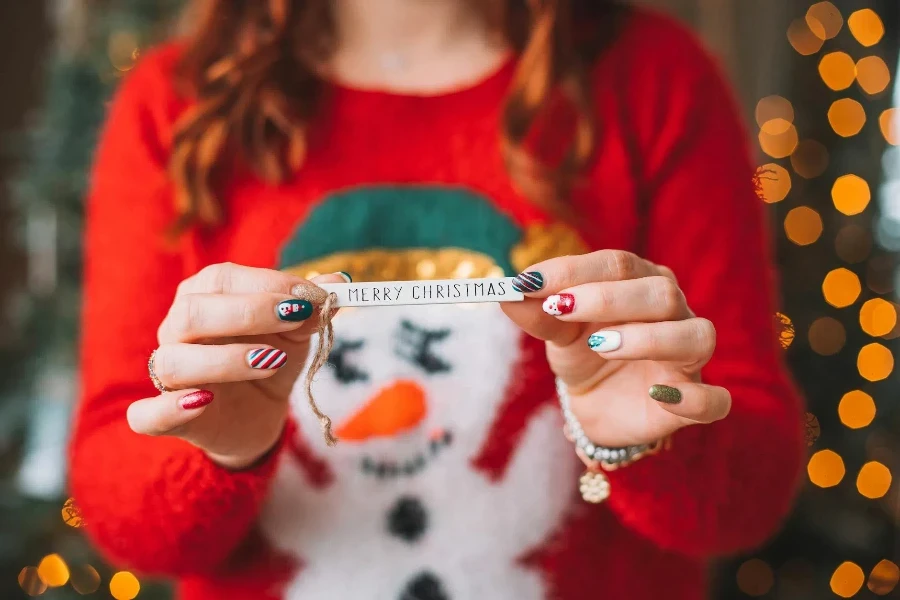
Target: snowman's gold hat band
538	243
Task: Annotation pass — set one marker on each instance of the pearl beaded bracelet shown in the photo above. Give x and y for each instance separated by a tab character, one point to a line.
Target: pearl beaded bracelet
594	485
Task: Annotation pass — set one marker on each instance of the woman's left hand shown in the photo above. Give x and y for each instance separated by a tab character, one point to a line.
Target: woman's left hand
621	336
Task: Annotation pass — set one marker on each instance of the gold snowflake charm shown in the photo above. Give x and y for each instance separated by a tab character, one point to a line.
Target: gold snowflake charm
594	486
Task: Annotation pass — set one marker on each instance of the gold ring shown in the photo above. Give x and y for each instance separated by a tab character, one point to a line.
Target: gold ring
156	382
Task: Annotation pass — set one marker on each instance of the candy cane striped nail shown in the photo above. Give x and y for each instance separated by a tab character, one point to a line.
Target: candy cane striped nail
530	281
266	358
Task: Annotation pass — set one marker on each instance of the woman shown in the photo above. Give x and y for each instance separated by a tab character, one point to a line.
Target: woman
580	144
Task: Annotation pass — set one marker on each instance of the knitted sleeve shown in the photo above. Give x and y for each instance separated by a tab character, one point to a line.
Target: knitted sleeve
156	504
726	486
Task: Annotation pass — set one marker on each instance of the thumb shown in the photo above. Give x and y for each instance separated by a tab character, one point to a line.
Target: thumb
169	413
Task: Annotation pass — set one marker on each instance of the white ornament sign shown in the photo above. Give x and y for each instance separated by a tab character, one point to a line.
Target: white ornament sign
446	291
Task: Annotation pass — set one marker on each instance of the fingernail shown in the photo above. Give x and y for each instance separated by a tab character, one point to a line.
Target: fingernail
266	358
605	341
195	400
531	281
665	394
345	275
559	304
294	310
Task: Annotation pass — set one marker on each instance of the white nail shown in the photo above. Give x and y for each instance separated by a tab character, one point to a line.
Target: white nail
605	341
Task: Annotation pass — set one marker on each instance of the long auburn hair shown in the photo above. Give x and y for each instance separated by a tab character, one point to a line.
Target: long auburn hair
247	64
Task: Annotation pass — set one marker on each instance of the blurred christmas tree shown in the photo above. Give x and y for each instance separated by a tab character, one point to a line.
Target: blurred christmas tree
98	43
836	217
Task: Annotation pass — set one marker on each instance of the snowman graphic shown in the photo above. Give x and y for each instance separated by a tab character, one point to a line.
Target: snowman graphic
451	465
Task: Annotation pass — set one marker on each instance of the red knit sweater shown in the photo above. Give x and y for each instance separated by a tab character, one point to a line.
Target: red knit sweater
673	179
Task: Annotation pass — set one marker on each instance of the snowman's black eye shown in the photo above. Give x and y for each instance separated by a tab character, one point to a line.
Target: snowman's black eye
414	344
345	371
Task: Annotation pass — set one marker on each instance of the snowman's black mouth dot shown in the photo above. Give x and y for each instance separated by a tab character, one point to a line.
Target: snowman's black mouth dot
390	469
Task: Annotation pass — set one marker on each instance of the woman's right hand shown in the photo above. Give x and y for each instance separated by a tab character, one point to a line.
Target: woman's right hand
218	352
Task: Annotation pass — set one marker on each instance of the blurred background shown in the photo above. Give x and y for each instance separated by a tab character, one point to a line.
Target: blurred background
817	82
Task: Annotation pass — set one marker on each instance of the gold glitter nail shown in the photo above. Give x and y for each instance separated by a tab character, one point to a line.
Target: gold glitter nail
665	394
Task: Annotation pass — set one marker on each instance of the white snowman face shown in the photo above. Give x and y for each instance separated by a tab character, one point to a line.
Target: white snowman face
284	309
411	386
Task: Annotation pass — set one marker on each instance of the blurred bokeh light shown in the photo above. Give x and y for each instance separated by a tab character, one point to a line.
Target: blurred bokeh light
874	480
866	27
873	74
803	225
827	336
856	409
775	182
875	362
825	468
810	159
841	287
847	117
847	580
851	194
837	70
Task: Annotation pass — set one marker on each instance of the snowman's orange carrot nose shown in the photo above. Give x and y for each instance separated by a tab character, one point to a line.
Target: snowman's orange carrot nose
393	410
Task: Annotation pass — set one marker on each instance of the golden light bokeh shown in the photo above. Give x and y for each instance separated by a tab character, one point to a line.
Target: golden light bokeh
874	480
856	409
825	468
875	362
53	570
847	580
122	49
810	159
785	329
85	579
30	582
837	70
781	144
827	336
71	514
776	126
824	20
851	194
877	317
802	38
755	577
775	182
803	225
890	127
847	117
883	578
841	287
124	586
812	429
866	27
853	243
873	74
771	108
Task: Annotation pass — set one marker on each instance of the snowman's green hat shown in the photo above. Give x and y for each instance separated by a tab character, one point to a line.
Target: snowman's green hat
423	232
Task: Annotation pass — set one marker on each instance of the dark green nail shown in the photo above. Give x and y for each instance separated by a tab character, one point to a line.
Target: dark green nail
294	310
346	276
665	394
531	281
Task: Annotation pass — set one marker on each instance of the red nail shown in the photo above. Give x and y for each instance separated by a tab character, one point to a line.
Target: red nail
559	304
196	399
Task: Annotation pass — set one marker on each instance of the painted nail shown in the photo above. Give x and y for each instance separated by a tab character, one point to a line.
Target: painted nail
605	341
531	281
294	310
195	400
665	394
266	358
559	304
345	275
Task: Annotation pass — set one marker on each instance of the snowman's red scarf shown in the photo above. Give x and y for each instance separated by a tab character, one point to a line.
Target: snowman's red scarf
531	386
